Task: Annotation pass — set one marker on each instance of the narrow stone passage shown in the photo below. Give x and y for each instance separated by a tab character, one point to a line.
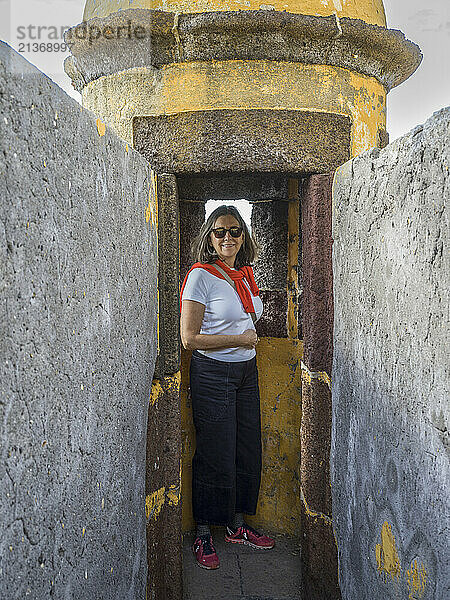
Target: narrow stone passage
244	573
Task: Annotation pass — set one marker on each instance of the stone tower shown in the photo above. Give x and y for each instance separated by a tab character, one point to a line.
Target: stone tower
299	61
232	100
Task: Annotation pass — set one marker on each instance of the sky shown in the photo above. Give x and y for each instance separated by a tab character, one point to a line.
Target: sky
427	24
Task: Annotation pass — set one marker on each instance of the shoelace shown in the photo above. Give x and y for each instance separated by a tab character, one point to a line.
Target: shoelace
249	529
208	547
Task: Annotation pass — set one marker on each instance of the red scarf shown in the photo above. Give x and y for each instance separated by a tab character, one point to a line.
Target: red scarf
236	276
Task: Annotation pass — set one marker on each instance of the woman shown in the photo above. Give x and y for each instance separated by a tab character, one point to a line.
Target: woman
219	304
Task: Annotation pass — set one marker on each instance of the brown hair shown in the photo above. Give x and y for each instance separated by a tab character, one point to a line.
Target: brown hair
203	252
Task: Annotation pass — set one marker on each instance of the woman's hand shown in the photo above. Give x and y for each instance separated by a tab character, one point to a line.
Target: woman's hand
249	339
191	319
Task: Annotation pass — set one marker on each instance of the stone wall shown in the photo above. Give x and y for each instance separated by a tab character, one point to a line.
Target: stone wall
78	324
390	452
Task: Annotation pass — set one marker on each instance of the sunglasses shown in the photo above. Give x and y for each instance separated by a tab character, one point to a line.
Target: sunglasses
220	232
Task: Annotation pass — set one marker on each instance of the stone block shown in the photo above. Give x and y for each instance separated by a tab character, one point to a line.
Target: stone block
250	140
254	187
317	277
168	361
270	228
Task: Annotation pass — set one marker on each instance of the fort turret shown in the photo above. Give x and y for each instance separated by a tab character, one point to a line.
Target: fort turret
319	69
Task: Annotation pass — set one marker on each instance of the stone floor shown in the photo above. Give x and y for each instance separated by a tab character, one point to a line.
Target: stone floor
244	573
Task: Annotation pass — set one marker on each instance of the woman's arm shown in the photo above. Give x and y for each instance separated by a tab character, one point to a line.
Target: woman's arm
191	321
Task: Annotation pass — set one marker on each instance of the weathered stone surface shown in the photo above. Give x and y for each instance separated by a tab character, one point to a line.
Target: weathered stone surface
168	360
250	140
318	559
317	300
315	437
152	38
270	227
273	321
390	470
78	345
192	217
319	556
163	489
253	187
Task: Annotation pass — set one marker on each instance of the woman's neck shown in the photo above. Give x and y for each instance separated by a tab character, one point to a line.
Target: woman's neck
230	262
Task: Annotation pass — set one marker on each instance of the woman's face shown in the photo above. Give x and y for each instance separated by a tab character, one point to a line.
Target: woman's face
228	246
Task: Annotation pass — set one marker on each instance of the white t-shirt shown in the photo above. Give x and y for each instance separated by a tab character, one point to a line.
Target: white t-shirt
224	312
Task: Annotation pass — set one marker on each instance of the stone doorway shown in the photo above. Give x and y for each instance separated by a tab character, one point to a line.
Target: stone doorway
275	220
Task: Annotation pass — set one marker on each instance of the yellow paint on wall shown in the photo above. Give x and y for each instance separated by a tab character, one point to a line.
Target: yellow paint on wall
161	386
386	553
154	503
101	128
150	211
315	514
156	391
152	208
279	369
240	85
416	578
321	376
370	11
173	495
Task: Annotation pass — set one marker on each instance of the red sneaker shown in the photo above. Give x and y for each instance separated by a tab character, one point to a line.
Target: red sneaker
250	537
204	552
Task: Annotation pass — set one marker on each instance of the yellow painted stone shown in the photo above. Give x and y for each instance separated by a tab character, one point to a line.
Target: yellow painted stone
151	212
240	85
279	367
370	11
416	578
101	129
386	554
154	503
168	384
173	495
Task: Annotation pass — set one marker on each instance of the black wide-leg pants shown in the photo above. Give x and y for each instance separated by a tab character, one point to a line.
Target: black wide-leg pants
226	468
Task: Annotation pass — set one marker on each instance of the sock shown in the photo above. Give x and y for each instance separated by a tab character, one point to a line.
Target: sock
237	522
203	529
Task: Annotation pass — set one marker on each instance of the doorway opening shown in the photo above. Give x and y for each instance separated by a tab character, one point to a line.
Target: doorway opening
272	210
